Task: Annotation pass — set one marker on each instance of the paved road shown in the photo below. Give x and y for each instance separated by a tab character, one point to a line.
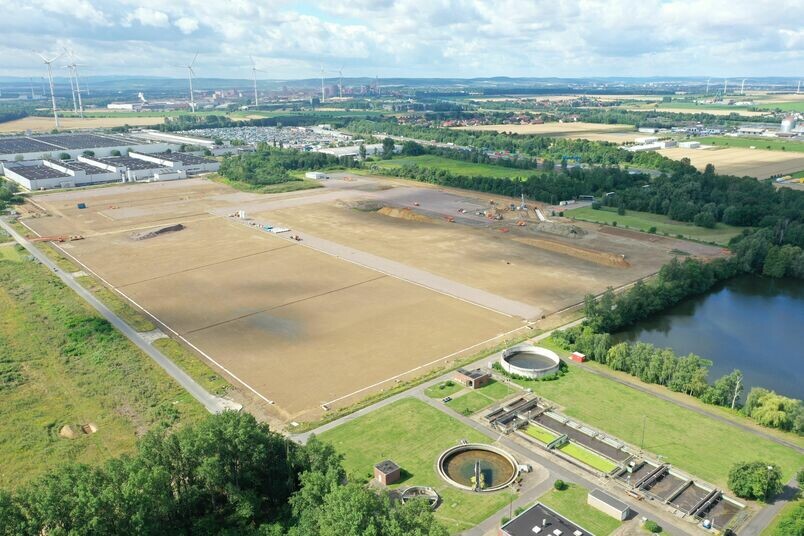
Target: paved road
212	403
766	515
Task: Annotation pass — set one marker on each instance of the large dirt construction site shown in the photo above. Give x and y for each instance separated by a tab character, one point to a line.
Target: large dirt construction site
381	288
576	130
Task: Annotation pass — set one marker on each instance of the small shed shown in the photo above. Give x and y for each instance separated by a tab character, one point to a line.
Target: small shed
608	504
578	356
473	378
387	472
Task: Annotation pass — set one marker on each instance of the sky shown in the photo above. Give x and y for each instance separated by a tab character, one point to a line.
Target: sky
408	38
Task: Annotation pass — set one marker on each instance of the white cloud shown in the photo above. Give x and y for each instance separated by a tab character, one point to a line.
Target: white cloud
147	17
419	37
187	25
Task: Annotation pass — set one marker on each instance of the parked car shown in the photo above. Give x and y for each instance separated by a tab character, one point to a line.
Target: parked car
446	399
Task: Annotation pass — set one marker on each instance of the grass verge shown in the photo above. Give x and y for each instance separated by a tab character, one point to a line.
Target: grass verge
197	369
413	435
571	503
789	520
445	388
118	305
456	167
477	399
62	364
644	221
9	252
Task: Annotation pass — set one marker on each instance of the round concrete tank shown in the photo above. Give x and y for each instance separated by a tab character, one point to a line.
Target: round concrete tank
529	361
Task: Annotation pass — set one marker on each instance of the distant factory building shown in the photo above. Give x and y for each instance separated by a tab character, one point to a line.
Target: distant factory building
52	146
188	163
46	174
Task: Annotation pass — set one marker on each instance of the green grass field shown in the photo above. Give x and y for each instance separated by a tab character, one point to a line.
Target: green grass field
571	503
798	175
446	388
643	221
456	167
791	511
758	143
588	457
477	399
540	433
413	435
118	305
9	252
693	442
61	364
784	106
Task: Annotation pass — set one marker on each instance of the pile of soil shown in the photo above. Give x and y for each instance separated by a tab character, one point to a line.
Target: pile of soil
157	232
404	214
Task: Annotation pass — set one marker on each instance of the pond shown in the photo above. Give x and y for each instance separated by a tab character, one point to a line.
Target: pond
751	323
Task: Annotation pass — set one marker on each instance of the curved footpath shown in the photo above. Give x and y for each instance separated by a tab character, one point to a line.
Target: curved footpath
212	403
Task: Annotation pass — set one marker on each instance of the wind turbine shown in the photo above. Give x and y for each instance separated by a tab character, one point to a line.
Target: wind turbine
72	87
798	90
340	82
707	86
742	88
254	75
49	63
190	75
725	85
74	70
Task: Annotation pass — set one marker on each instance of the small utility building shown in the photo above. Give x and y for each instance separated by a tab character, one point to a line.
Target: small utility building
608	504
473	378
387	472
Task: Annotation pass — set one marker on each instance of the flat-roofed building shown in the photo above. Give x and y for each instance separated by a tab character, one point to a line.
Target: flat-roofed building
608	504
49	146
543	521
387	472
46	174
473	378
186	162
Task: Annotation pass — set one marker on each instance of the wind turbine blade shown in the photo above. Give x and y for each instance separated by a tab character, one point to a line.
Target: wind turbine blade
194	58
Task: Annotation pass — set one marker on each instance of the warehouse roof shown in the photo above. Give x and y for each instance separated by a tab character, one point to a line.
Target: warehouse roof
56	142
608	499
38	172
184	158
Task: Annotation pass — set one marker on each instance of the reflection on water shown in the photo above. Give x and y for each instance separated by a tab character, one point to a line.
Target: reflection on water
495	468
529	360
750	323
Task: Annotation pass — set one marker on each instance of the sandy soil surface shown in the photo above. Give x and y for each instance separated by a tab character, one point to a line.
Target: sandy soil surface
46	124
740	161
575	129
301	327
715	110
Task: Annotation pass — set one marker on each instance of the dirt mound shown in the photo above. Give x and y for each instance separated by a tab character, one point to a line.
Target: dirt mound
157	232
71	431
68	432
404	214
598	257
567	230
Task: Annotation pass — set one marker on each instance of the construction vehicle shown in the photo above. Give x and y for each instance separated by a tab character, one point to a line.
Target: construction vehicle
450	219
415	203
57	238
521	223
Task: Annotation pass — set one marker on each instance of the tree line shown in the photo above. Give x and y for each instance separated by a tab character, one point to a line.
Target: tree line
271	165
227	475
685	374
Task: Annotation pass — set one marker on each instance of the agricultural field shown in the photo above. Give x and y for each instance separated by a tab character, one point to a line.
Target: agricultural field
46	124
769	144
63	365
693	108
580	130
758	163
456	167
692	442
413	435
571	503
644	221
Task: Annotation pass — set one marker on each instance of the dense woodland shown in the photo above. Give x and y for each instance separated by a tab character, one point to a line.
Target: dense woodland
226	475
271	165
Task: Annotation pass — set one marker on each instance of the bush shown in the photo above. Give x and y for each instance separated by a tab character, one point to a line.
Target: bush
755	480
652	230
560	485
652	526
64	156
115	152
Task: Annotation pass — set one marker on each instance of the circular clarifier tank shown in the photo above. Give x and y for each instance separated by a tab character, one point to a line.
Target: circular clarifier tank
477	467
530	361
